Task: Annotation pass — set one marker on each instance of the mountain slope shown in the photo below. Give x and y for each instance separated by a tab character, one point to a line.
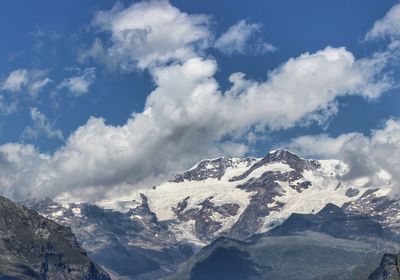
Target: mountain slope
33	247
132	244
303	247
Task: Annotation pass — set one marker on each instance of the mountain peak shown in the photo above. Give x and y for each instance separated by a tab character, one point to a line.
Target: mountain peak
211	168
281	155
331	209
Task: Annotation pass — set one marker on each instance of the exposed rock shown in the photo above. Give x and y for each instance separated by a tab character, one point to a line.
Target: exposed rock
33	247
382	209
265	199
208	217
389	269
351	192
214	168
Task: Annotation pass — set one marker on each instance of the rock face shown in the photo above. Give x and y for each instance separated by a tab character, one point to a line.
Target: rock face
265	199
202	216
214	168
33	247
305	246
389	269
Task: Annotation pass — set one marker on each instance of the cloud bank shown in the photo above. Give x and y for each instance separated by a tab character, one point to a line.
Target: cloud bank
186	117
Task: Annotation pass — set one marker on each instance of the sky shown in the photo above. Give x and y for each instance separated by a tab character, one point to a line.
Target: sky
100	97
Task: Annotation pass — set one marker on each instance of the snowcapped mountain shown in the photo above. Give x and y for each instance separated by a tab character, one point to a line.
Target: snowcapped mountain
239	197
161	227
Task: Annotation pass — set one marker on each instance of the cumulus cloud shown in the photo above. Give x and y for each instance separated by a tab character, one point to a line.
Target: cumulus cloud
41	127
79	84
148	33
186	117
185	121
320	146
241	38
366	156
32	81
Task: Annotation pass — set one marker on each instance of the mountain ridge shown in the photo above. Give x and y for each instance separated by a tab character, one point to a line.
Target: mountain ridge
224	196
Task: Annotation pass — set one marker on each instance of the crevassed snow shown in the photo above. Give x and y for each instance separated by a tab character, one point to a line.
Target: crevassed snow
169	194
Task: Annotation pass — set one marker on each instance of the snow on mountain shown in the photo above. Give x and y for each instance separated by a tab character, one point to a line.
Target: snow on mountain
304	186
235	197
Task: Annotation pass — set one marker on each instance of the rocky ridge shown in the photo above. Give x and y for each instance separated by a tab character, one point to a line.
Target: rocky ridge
33	247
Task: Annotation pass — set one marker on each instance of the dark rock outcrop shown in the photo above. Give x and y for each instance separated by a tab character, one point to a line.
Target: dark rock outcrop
204	216
389	269
33	247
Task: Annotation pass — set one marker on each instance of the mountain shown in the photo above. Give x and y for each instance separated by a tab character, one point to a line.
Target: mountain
327	245
241	196
33	247
132	244
149	233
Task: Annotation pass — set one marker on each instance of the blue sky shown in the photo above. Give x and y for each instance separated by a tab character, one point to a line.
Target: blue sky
78	77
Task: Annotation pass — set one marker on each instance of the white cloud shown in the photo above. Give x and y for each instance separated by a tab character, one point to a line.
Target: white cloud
148	33
80	84
32	81
388	26
186	117
241	38
185	121
16	80
41	126
367	156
